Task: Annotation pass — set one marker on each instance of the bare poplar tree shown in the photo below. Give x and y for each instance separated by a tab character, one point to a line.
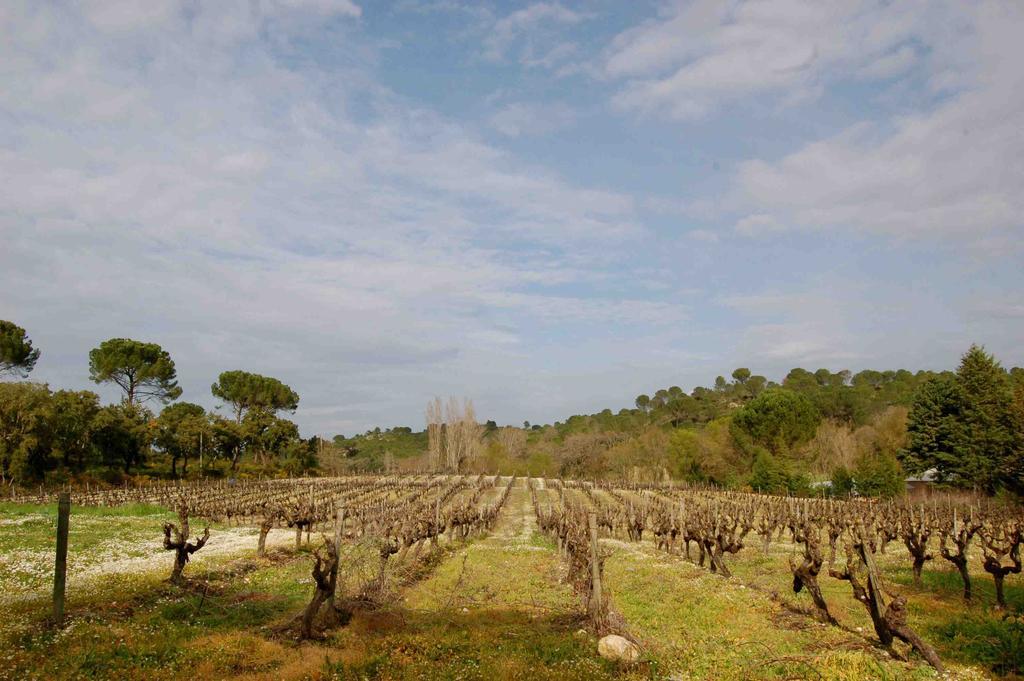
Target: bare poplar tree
513	440
453	441
454	438
463	434
435	434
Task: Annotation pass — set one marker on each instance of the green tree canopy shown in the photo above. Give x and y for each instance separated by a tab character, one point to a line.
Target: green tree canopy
123	433
142	370
24	431
777	419
992	441
181	429
266	435
933	427
244	391
17	356
878	474
800	380
967	426
74	412
842	482
756	384
771	476
228	439
299	456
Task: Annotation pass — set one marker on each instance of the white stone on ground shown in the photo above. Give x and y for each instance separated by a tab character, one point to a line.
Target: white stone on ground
614	647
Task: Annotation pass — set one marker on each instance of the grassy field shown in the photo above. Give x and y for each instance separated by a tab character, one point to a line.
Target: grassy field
102	542
497	606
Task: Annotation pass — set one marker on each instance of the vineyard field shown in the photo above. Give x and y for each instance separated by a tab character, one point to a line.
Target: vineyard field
495	577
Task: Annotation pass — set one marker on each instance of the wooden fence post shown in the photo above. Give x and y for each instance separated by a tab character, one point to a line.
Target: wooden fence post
312	513
596	604
339	528
339	535
61	564
437	521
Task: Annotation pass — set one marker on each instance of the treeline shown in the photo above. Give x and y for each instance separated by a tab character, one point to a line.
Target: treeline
743	432
844	432
377	450
858	433
815	432
53	436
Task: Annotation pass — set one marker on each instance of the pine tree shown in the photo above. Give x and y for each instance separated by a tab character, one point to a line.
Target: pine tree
967	427
1013	468
987	418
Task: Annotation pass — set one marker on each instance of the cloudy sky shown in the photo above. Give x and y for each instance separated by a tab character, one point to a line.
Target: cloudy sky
547	207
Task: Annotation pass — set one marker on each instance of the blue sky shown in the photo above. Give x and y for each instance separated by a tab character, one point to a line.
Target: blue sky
546	207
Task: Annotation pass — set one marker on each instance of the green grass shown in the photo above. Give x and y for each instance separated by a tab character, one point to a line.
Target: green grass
936	609
100	540
483	644
11	510
514	568
34	526
998	644
496	608
520	621
486	575
693	624
145	628
941	579
493	608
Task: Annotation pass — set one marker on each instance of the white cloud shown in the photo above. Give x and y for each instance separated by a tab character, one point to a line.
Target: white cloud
863	321
244	162
530	119
234	16
321	7
126	15
758	224
530	35
698	56
813	327
774	304
800	344
705	235
995	309
952	171
891	64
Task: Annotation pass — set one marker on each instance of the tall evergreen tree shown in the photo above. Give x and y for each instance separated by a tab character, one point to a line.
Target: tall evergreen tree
988	419
1013	469
966	426
934	428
